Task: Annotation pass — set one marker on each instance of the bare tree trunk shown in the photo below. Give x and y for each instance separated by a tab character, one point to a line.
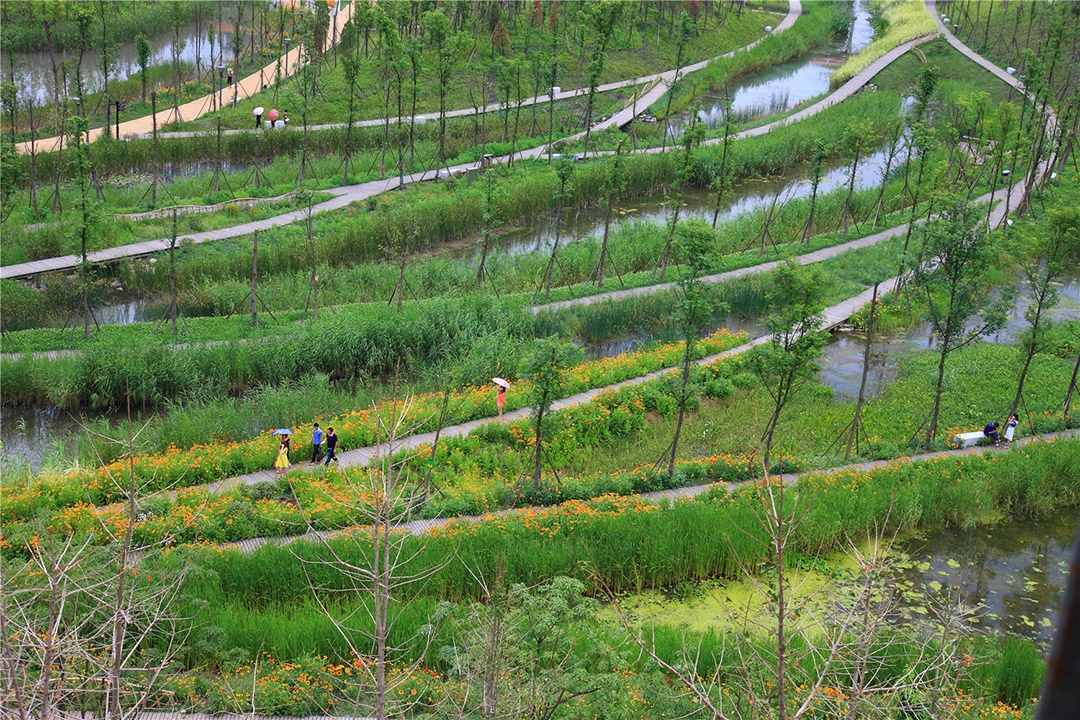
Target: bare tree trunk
172	274
1072	388
254	279
854	434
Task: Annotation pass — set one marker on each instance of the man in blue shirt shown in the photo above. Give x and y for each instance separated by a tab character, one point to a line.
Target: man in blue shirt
316	444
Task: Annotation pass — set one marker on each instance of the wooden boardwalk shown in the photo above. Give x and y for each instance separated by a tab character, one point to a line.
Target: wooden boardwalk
666	498
194	109
348	194
345	195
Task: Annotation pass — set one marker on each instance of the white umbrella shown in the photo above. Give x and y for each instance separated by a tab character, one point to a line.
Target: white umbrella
500	381
257	111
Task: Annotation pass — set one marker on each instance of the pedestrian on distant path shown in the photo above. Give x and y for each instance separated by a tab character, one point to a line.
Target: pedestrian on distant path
316	444
228	74
331	445
1010	429
282	461
500	395
991	431
285	118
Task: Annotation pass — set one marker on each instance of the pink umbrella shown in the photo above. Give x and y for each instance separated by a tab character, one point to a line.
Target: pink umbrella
272	115
500	381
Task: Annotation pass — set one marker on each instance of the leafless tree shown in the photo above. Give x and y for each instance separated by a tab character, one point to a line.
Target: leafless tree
86	626
375	564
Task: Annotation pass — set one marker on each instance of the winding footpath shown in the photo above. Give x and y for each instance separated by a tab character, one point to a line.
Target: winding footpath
665	497
360	457
288	64
831	317
348	194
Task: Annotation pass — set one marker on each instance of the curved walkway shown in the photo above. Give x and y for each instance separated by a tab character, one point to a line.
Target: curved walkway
809	258
348	194
345	194
659	82
195	109
361	457
668	497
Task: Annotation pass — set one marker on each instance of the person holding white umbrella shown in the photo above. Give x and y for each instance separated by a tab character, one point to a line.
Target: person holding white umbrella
257	112
281	462
500	397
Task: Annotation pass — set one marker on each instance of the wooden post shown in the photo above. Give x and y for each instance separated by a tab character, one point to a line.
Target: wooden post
156	180
172	273
254	280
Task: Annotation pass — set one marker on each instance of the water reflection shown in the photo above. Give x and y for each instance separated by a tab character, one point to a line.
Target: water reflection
34	74
746	197
842	360
31	434
1014	571
785	86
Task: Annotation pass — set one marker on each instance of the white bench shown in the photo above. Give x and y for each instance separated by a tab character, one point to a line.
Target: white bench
968	439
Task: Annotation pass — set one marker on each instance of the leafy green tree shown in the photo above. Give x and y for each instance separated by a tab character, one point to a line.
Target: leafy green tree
527	651
1043	256
350	67
682	38
786	362
857	139
692	136
564	168
437	28
552	77
693	244
142	55
489	222
601	18
721	182
85	228
9	98
614	186
951	281
11	174
545	369
817	171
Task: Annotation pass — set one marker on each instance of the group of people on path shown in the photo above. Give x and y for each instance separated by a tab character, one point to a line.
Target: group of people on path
281	463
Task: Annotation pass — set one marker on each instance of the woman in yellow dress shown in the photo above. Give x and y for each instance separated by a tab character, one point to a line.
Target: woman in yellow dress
282	461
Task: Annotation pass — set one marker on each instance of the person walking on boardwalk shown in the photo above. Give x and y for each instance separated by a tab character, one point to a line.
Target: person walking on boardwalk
282	461
316	444
500	396
331	446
